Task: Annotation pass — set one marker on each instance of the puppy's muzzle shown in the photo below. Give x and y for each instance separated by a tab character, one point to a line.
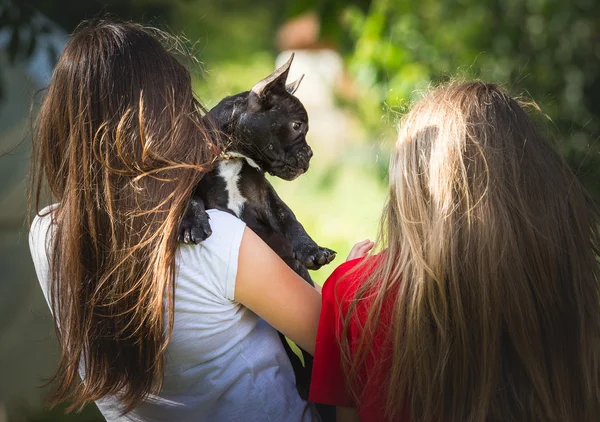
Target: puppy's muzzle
296	163
303	157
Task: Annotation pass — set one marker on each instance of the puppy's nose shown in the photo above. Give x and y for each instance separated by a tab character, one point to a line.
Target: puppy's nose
309	153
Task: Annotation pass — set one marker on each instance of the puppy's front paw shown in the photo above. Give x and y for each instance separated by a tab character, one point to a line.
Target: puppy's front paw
194	228
314	258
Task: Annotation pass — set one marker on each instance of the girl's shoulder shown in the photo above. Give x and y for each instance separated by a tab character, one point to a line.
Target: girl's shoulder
39	232
346	279
211	265
223	218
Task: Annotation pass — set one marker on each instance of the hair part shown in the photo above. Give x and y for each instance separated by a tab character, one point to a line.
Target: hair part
121	143
490	265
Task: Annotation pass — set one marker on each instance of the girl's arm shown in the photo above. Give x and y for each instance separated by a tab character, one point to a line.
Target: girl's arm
268	287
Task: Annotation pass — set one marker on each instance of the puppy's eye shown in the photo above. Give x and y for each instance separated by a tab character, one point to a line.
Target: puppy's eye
297	126
270	147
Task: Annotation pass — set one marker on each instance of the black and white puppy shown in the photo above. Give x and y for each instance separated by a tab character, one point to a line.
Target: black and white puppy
266	128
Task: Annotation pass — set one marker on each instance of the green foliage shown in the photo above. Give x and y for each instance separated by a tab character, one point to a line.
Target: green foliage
547	49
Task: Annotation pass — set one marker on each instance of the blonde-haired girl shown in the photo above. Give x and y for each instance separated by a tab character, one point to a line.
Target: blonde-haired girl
484	304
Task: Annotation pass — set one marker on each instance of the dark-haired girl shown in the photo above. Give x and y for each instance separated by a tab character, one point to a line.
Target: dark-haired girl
157	331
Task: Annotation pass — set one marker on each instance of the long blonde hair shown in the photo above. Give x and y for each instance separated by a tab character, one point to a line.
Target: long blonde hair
491	267
120	142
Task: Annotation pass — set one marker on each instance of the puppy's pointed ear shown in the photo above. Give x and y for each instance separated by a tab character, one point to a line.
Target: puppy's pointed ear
273	83
292	87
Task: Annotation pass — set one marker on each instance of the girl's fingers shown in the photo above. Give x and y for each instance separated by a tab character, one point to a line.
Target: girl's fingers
360	249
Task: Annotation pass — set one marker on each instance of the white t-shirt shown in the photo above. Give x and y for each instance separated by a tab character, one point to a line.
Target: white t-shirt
223	363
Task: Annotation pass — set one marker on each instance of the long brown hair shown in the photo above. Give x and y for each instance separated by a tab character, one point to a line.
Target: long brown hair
490	266
120	142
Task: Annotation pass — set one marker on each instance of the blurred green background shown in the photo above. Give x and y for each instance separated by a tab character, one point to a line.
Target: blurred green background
365	62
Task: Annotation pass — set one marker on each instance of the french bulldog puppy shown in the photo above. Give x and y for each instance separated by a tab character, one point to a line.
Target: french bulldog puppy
266	128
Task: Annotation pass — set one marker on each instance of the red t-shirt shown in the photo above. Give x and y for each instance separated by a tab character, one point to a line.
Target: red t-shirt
328	383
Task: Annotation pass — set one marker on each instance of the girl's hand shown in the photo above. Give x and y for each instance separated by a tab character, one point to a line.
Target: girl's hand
361	249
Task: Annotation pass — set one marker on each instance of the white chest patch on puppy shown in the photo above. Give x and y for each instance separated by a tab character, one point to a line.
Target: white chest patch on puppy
249	160
230	170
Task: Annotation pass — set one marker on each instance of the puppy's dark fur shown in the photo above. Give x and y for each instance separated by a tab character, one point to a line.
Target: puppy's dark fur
267	129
